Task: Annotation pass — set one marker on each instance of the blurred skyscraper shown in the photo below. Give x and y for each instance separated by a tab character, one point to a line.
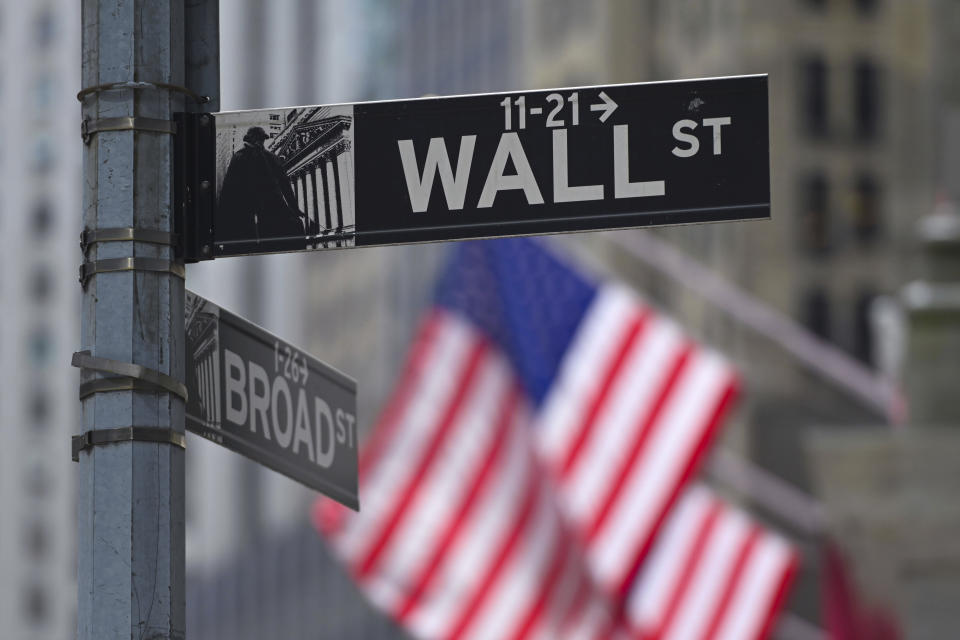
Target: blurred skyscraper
256	567
39	254
444	47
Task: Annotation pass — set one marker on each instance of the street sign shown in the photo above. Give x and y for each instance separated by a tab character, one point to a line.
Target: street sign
519	163
259	396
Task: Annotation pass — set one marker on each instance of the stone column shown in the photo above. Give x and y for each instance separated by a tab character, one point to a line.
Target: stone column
321	168
334	171
296	189
313	190
306	194
332	194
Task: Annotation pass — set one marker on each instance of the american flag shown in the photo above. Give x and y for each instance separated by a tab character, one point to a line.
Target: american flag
522	480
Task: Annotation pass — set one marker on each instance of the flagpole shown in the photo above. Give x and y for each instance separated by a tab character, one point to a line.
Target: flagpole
801	510
846	374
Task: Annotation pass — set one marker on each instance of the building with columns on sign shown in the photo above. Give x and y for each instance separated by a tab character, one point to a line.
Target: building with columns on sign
314	147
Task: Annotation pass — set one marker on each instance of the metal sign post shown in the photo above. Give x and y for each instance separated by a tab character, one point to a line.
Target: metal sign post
130	545
533	162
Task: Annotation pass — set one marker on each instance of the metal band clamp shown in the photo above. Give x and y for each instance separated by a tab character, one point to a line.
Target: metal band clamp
97	437
133	377
116	86
125	123
125	234
93	267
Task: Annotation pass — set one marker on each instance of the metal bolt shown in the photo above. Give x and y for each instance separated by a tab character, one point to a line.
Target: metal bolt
205	185
206	250
205	120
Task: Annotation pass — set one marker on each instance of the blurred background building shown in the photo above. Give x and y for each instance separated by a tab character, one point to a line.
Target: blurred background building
865	132
39	227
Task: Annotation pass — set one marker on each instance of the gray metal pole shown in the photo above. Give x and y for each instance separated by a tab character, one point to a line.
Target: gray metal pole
131	494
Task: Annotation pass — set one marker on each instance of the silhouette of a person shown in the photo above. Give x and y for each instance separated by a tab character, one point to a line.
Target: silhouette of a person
257	202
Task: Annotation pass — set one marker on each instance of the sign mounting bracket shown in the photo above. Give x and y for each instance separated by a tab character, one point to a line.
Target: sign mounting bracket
194	185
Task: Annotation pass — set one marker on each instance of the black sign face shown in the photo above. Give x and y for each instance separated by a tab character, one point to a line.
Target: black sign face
259	396
490	165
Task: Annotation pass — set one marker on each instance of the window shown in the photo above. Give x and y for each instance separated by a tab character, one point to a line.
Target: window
40	346
42	218
36	540
815	215
862	327
42	155
866	209
37	480
39	409
814	99
36	604
41	283
44	29
43	92
816	312
866	100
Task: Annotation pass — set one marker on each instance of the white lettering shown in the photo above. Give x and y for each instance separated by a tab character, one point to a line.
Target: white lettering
623	188
235	382
562	191
680	136
302	433
345	425
324	421
716	123
454	186
259	398
510	148
284	435
341	428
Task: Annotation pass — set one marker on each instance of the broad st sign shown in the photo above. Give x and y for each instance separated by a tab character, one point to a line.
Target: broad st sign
517	163
261	397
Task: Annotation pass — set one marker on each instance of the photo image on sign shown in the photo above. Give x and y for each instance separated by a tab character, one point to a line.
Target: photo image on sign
203	361
285	180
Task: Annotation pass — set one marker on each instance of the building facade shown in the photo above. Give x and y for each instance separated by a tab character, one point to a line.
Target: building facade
39	229
860	95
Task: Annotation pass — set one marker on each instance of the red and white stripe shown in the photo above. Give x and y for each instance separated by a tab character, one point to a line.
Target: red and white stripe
623	427
460	534
712	574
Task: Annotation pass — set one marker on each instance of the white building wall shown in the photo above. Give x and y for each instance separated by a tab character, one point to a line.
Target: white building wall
39	298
